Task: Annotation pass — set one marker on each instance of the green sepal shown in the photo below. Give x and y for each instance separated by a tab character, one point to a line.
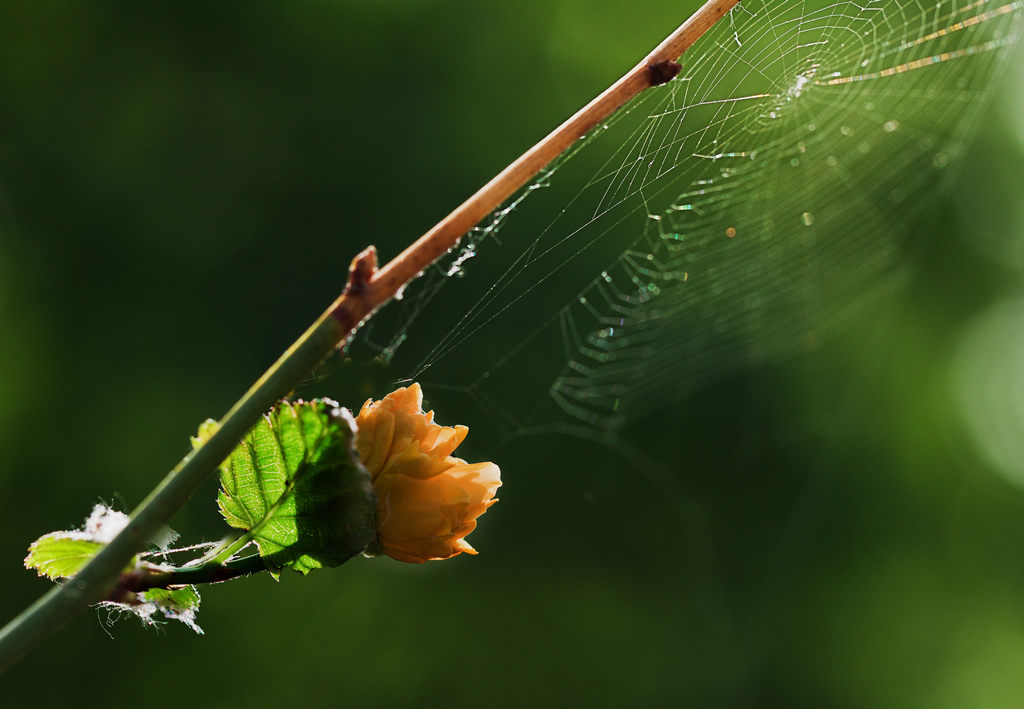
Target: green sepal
295	482
61	555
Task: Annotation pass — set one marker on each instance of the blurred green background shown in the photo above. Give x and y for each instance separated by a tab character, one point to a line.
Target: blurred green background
182	186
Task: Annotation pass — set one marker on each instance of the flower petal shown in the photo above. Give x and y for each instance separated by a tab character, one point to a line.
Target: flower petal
428	500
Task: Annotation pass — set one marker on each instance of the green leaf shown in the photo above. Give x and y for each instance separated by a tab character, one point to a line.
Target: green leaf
178	599
177	603
297	485
59	556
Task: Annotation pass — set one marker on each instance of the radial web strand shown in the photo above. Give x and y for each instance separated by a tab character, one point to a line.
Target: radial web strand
735	215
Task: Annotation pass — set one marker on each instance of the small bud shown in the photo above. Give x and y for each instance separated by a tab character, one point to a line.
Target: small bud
427	500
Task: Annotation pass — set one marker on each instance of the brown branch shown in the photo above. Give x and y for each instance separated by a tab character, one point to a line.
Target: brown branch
367	290
657	68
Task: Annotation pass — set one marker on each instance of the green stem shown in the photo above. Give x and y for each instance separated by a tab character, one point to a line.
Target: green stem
367	290
224	555
215	573
149	577
229	548
94	582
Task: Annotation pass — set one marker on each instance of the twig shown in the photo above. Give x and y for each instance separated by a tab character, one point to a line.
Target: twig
148	576
657	68
367	290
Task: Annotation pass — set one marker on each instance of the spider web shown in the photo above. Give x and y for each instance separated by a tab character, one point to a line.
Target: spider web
736	215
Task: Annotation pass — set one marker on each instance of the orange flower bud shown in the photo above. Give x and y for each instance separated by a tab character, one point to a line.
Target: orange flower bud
427	500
